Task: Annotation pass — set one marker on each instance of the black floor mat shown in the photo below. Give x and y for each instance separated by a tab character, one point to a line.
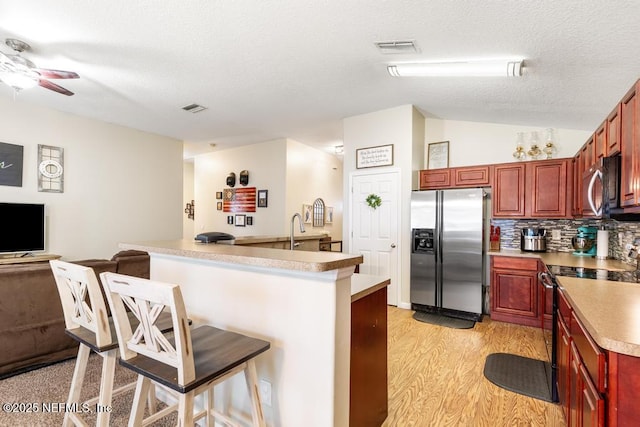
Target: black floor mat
439	319
522	375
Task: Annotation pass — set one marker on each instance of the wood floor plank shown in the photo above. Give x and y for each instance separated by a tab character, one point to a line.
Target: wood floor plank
436	375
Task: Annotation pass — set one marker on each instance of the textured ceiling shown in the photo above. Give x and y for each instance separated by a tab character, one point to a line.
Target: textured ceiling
292	68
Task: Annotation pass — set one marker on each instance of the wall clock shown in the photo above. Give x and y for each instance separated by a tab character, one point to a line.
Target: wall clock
50	169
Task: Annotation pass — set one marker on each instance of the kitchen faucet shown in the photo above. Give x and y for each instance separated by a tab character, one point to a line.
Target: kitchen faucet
293	245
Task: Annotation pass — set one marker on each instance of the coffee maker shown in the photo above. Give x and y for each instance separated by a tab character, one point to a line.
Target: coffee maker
584	242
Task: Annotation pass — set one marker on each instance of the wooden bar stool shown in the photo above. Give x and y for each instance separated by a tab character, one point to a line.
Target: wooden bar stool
87	321
188	363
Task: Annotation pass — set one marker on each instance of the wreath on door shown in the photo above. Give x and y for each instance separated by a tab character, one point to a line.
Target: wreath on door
373	201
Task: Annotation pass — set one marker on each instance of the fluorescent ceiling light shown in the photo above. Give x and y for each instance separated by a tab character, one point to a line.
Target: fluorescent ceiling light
481	68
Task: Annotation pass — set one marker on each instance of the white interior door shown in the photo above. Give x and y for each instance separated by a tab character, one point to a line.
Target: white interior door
374	232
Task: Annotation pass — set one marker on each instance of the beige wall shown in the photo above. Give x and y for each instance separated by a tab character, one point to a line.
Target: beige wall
313	174
472	143
292	173
120	184
188	225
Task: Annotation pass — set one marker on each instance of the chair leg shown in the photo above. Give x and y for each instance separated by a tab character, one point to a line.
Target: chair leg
137	408
209	420
254	394
185	409
152	402
77	380
106	387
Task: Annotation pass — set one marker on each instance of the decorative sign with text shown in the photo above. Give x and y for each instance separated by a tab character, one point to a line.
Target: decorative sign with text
11	164
374	156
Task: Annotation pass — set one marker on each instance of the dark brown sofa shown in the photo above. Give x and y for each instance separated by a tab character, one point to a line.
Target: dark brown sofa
31	319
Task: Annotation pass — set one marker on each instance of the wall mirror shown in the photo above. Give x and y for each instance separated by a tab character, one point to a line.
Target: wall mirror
318	213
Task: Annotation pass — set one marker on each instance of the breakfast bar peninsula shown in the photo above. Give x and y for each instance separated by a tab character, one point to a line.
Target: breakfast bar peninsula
299	301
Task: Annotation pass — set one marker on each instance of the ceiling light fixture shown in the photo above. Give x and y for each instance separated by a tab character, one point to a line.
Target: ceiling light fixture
476	68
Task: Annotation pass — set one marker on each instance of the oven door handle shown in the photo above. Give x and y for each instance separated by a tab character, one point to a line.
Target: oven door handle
596	175
546	279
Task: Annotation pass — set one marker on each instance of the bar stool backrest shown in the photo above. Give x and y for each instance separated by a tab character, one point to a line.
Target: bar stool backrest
147	299
82	301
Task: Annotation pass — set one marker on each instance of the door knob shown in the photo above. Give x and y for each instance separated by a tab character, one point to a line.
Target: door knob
393	245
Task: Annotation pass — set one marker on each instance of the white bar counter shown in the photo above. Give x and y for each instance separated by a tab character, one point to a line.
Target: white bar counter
298	301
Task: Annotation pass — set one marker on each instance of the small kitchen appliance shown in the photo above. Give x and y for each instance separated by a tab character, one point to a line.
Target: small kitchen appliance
533	240
584	242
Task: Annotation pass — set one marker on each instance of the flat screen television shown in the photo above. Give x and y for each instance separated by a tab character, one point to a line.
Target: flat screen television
22	227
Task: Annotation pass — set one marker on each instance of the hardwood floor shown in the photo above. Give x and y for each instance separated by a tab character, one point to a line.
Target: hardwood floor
436	379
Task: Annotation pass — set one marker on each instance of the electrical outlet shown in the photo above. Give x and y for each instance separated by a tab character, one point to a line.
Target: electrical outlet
555	234
265	392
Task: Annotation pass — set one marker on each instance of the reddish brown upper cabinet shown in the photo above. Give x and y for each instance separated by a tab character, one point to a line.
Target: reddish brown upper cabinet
548	185
629	146
508	190
472	176
613	131
600	142
576	208
435	178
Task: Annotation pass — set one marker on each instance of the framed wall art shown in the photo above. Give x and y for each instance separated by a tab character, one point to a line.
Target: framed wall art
11	157
218	195
263	198
306	214
219	206
374	156
438	155
240	220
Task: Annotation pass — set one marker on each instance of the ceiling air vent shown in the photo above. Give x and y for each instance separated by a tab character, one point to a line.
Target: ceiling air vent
194	108
398	46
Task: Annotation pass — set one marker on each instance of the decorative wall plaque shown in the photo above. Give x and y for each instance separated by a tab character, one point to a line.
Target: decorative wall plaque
11	164
50	169
239	199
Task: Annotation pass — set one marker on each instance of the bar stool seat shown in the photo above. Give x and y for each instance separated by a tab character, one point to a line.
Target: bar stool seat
88	322
188	362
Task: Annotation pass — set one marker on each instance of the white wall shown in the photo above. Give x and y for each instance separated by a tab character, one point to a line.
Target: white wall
188	225
120	184
472	143
313	174
400	126
266	163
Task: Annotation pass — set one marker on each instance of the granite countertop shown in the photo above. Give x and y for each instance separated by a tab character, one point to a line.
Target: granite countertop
249	255
366	284
610	311
568	259
247	240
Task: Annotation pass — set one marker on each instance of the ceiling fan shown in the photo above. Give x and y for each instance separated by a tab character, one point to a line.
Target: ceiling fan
20	73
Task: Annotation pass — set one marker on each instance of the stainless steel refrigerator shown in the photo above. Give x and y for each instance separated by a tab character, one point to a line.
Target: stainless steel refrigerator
447	253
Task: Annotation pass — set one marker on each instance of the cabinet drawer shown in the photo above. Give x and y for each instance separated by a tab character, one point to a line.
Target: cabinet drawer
564	308
592	357
515	263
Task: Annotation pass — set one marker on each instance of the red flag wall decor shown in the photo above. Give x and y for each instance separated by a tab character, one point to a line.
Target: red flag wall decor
239	199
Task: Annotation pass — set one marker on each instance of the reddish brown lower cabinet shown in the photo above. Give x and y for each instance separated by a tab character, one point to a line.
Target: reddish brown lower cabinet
514	290
368	391
563	351
623	390
592	403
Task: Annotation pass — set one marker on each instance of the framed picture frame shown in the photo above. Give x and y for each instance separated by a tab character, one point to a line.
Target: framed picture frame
438	155
371	157
263	198
329	215
230	219
240	220
249	220
307	214
219	206
218	195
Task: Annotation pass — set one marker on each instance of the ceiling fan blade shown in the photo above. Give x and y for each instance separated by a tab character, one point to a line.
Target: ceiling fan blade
54	87
56	74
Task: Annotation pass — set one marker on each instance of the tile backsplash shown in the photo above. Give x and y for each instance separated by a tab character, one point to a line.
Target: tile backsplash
620	234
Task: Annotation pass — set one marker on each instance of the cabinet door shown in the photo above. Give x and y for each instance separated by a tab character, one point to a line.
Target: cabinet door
577	186
563	350
514	297
600	143
508	190
548	183
628	147
588	154
435	178
575	389
473	176
592	402
613	131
